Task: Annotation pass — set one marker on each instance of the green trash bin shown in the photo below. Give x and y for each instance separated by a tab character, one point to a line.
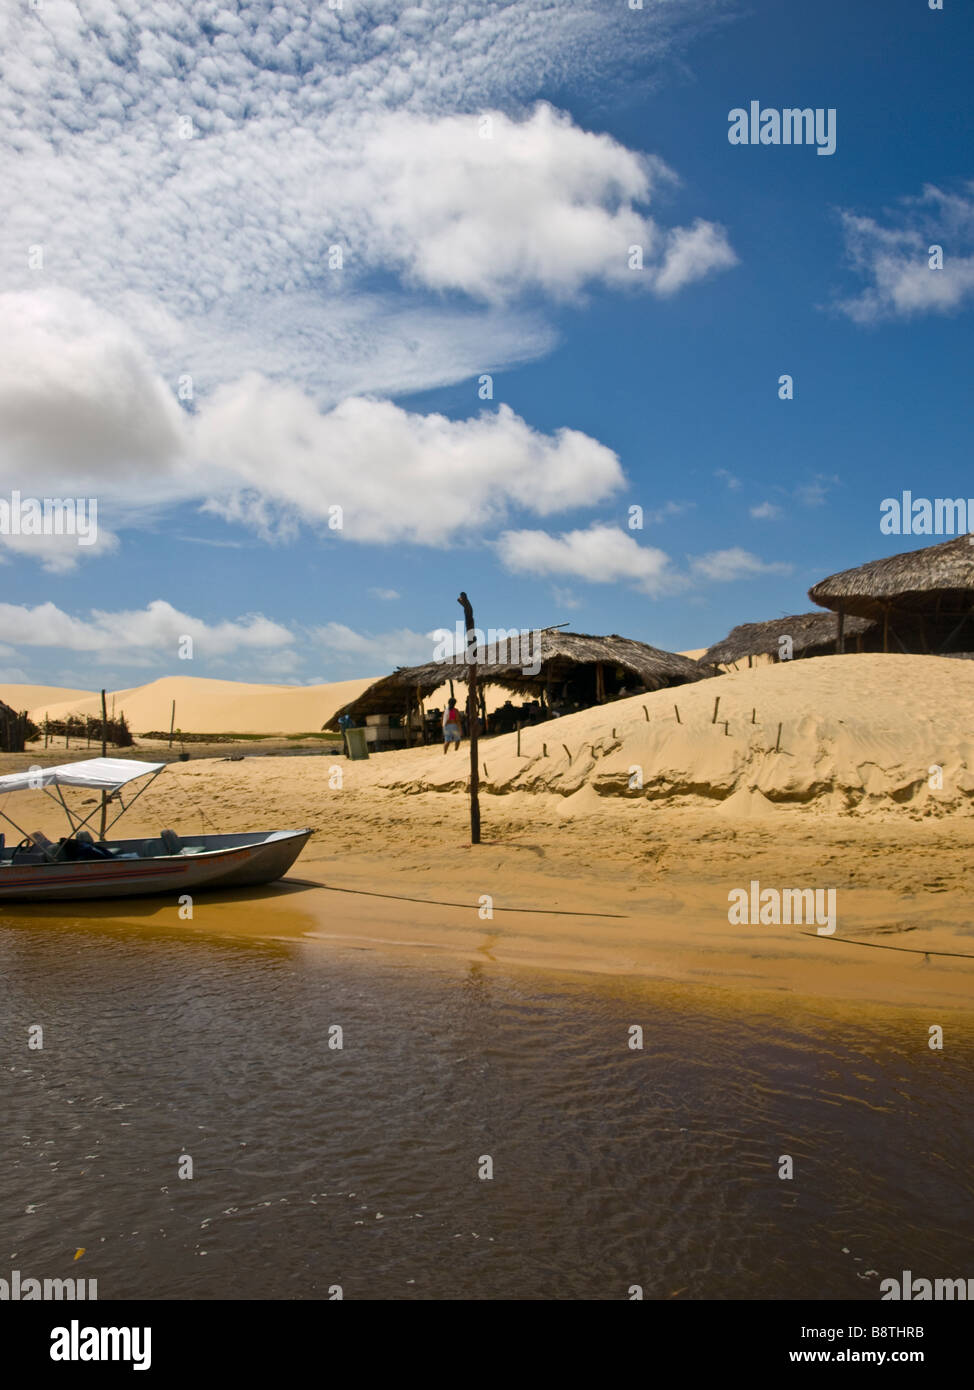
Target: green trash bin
356	744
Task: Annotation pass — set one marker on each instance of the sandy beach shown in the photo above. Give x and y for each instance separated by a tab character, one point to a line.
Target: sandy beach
612	841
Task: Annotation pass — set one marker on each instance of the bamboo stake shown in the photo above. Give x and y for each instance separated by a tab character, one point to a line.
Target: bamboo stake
777	742
716	703
678	719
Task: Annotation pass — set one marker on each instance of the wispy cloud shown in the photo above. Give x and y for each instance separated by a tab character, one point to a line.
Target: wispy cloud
733	563
896	261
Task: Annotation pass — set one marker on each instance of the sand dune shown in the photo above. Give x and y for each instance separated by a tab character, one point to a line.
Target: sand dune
858	732
30	697
211	706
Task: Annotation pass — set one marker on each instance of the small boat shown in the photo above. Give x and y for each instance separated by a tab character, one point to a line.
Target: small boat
78	866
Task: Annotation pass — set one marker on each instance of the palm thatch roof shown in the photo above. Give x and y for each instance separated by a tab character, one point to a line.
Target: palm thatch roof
561	653
812	634
939	577
14	729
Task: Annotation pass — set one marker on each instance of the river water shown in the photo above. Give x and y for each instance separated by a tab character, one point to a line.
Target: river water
360	1167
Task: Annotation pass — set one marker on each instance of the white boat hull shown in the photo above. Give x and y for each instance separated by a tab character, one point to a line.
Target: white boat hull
220	861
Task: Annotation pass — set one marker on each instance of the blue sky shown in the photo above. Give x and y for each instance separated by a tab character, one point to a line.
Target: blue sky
186	174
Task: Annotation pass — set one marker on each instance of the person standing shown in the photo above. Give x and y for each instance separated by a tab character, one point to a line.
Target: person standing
451	725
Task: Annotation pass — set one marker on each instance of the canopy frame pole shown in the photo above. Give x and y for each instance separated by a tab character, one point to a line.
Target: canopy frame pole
125	809
10	821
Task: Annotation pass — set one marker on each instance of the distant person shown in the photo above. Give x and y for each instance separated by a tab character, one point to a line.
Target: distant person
451	725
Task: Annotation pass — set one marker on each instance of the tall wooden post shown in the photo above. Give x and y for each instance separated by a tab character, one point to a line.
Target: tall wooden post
104	753
464	603
840	632
172	723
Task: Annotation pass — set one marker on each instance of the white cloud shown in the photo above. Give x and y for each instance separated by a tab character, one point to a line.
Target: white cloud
386	594
734	563
57	554
153	632
189	167
691	253
79	398
728	478
765	511
539	204
895	260
396	475
384	650
602	555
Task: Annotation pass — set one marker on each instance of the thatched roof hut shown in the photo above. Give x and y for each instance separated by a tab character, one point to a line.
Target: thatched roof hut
605	663
812	634
923	598
15	729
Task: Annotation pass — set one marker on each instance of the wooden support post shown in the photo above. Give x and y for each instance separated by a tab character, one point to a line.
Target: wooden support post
464	603
886	627
519	740
172	722
840	632
104	753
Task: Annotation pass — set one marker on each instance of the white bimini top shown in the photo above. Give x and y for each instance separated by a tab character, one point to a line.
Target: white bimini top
101	774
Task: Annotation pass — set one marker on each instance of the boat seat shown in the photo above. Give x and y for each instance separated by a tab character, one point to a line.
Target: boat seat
152	849
46	847
171	841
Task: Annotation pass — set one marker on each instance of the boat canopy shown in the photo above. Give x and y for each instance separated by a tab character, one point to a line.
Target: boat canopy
101	774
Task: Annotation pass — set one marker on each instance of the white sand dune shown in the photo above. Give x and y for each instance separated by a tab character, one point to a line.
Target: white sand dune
29	697
212	706
859	731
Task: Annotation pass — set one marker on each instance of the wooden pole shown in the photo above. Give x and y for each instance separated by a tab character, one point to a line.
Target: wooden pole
104	753
464	603
716	703
172	722
678	719
777	742
840	632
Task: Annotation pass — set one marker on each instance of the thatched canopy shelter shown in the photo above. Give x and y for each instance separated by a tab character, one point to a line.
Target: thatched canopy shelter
596	667
924	599
812	634
15	729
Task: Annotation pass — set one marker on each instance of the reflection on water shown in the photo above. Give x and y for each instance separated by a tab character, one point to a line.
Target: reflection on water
359	1167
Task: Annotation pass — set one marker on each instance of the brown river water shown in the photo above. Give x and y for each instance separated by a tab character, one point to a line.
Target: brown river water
360	1167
